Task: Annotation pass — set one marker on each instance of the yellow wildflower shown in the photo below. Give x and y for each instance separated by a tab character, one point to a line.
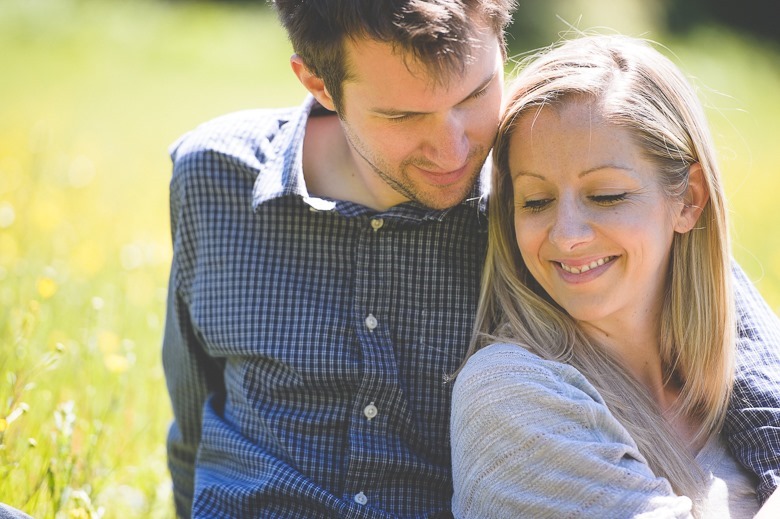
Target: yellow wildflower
46	286
116	363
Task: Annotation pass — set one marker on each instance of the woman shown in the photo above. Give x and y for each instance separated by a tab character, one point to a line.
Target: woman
609	265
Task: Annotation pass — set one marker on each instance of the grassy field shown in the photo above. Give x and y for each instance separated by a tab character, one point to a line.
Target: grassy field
91	95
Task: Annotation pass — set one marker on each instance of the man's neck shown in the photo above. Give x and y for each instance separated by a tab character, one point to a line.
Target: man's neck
328	165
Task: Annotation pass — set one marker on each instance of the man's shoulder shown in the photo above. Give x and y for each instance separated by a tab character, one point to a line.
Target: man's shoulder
238	134
232	150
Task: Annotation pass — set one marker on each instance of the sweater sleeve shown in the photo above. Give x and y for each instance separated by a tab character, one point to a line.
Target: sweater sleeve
532	438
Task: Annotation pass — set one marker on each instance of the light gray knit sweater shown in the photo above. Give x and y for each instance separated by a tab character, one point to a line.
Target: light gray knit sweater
533	438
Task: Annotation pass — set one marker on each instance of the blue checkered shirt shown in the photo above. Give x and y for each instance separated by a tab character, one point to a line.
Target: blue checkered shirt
307	340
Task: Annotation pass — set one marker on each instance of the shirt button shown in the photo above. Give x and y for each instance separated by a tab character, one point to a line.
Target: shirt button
377	224
360	498
370	411
371	322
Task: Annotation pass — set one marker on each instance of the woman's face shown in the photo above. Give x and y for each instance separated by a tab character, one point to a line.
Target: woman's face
591	220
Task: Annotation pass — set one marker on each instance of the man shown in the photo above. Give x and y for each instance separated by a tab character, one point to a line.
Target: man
326	269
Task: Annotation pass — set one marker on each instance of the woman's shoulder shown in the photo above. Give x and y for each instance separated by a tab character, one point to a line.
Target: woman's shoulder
514	365
502	354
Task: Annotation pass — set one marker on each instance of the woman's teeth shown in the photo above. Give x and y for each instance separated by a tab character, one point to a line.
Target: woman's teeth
585	268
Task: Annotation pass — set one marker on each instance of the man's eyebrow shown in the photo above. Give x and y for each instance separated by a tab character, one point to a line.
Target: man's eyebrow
391	112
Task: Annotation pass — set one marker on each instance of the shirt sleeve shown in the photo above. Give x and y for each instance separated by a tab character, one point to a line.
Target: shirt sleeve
753	419
191	375
531	438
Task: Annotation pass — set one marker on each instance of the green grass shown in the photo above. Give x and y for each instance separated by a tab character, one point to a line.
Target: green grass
739	81
91	95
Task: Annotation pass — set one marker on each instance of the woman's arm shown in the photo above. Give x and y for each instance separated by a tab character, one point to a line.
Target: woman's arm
533	438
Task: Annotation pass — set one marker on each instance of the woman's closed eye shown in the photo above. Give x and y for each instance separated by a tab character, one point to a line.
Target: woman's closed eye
608	199
536	206
539	204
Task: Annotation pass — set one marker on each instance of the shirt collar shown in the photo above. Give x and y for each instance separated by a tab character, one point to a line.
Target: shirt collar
281	173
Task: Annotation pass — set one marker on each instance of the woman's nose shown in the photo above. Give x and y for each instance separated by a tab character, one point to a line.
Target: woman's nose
571	226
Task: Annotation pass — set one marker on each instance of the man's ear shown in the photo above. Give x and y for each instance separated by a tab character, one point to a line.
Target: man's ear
313	83
696	197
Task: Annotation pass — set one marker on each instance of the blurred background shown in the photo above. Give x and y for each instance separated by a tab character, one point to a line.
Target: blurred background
91	95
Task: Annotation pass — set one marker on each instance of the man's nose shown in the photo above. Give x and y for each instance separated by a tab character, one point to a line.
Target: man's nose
447	145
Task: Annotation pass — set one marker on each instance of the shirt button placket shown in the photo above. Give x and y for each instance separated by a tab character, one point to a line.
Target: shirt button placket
371	322
370	411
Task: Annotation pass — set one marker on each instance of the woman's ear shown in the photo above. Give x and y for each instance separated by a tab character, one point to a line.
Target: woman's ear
695	198
312	82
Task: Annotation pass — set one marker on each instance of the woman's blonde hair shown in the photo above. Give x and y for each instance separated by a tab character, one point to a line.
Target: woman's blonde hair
644	92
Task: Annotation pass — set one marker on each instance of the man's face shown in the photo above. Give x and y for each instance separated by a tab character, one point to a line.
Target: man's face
415	139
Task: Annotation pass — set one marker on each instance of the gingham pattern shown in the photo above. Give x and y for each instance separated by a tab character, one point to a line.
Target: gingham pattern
270	359
271	298
753	420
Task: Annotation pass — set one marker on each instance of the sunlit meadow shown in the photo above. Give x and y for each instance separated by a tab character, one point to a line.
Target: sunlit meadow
91	95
